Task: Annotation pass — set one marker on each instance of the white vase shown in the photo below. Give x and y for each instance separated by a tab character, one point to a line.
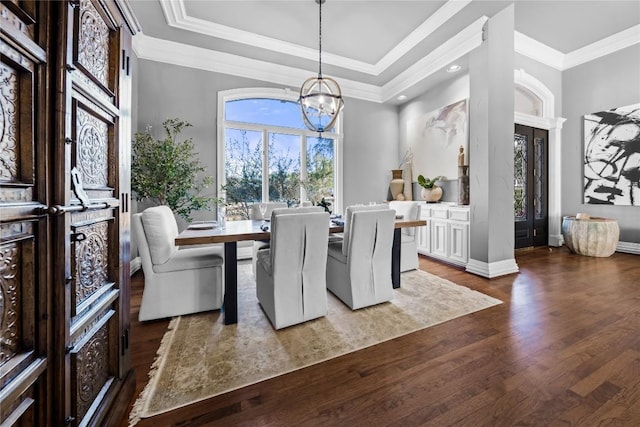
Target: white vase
432	195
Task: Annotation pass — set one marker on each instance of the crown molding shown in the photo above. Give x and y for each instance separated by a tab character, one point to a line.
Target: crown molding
459	45
431	24
537	51
544	54
176	16
603	47
170	52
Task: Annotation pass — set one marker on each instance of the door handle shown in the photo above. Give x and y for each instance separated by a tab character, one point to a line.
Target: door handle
61	210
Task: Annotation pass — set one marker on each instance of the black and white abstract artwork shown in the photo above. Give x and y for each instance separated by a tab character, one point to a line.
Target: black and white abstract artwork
612	156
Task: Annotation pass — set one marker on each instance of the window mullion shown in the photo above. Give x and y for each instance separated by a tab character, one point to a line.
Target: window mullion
265	165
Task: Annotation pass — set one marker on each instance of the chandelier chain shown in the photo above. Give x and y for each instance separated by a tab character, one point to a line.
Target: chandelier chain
320	42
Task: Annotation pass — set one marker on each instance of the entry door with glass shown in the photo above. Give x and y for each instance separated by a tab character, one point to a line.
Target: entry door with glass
530	186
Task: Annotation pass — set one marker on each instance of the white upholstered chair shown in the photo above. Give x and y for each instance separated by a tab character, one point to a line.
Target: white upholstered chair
176	281
410	210
359	267
290	274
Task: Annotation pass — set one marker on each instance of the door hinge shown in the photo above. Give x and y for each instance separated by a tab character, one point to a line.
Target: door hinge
125	341
535	232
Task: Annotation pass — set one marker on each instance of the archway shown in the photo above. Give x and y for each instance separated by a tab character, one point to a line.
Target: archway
546	120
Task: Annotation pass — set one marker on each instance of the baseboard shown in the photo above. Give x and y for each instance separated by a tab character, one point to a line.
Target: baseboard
628	247
135	265
556	240
494	269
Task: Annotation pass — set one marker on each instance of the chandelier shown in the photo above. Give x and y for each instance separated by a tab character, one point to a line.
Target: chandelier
320	97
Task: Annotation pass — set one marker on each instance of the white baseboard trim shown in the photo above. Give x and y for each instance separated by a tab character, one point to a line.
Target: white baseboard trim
494	269
135	265
556	240
628	247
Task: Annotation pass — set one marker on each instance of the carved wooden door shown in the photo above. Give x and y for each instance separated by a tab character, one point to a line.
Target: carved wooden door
90	212
25	336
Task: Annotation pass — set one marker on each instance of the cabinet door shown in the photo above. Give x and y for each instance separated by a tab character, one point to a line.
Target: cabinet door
88	232
458	242
424	239
25	339
439	238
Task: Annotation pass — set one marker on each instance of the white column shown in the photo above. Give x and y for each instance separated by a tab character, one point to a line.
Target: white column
491	106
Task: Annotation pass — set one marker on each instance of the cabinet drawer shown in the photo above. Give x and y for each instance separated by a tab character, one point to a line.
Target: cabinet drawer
439	213
459	214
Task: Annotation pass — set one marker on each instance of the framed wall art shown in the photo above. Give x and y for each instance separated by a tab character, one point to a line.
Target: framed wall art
612	156
435	139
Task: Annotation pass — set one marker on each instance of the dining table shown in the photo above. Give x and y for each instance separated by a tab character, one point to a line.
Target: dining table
233	232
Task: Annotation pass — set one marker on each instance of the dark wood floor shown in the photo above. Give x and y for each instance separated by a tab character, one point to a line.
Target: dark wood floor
563	350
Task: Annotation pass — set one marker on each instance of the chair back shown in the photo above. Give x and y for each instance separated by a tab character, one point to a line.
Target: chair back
409	211
370	243
348	219
289	211
160	230
257	215
299	259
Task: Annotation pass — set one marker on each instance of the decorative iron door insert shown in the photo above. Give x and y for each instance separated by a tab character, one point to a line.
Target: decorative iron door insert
530	186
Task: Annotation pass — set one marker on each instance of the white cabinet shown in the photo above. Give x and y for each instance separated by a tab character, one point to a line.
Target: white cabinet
446	235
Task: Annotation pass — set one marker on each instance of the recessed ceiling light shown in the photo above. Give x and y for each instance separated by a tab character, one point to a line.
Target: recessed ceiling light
401	97
453	68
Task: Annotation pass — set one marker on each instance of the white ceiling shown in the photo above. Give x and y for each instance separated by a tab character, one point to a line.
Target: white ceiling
376	49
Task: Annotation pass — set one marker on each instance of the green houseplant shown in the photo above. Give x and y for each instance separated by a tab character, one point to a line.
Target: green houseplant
168	172
431	193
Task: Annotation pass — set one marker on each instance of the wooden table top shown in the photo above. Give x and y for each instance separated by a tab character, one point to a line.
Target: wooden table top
235	231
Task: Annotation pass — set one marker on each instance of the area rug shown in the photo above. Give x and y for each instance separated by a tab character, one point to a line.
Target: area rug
199	357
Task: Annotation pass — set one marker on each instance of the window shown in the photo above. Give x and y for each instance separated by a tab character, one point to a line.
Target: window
265	153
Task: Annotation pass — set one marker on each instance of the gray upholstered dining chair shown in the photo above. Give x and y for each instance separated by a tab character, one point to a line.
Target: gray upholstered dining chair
257	215
290	274
176	281
410	210
359	267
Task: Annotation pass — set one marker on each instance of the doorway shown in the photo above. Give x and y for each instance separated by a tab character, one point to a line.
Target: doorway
531	167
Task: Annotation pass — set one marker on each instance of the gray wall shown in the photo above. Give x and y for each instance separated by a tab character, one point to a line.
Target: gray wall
608	82
370	150
454	90
370	132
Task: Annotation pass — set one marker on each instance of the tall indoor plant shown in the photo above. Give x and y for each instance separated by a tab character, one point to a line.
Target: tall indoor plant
168	172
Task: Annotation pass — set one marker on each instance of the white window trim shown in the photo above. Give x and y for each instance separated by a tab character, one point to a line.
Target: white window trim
285	95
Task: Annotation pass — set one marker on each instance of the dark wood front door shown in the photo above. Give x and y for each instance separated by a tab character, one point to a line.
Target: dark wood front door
24	287
91	265
530	186
64	210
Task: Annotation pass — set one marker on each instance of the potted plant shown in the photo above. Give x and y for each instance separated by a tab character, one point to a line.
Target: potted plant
431	193
168	172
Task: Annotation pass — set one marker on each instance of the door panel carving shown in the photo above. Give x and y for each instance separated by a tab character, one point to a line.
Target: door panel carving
92	49
92	367
24	341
